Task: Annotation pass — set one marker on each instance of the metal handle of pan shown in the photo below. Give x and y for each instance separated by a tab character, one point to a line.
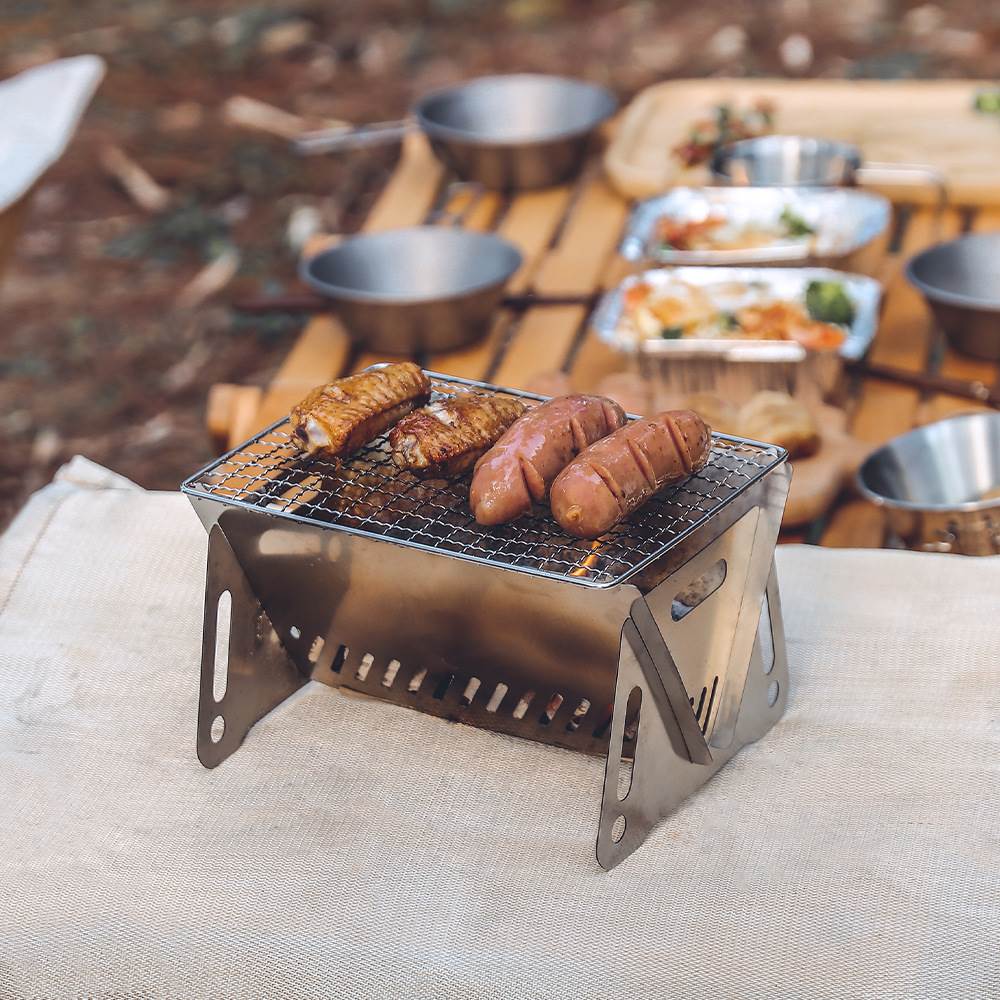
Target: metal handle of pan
904	175
335	140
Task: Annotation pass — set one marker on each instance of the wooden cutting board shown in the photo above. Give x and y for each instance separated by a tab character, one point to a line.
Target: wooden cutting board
926	123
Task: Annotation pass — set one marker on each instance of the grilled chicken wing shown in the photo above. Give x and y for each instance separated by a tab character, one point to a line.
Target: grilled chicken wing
447	437
339	418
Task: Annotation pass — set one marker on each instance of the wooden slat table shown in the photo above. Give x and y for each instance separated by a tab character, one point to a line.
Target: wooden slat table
568	237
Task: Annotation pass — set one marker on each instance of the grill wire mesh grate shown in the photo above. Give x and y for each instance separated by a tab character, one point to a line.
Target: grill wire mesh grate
369	495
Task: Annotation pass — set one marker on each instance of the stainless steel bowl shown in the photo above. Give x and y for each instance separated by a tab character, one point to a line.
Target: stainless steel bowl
428	288
939	485
961	282
786	161
525	130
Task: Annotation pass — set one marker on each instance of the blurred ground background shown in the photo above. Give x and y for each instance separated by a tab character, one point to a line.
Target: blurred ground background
103	352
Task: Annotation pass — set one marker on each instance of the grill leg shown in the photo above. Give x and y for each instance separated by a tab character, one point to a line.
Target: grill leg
665	767
258	673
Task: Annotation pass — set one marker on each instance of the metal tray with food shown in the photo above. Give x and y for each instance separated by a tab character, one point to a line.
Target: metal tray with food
696	328
755	225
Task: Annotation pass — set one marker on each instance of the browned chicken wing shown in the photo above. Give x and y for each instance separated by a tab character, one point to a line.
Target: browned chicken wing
341	417
447	437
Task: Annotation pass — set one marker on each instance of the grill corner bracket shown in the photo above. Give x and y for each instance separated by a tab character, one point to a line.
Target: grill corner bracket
658	754
258	674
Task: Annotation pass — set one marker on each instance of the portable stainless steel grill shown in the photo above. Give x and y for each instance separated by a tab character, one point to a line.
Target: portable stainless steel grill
659	645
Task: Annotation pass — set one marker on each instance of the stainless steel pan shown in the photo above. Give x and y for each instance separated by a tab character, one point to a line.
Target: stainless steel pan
939	485
961	282
427	288
803	161
524	130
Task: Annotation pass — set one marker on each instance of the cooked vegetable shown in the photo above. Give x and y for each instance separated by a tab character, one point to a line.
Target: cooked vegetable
828	302
794	224
727	124
988	101
672	332
729	321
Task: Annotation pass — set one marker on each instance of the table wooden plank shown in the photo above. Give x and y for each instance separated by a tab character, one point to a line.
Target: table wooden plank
530	223
410	193
545	336
855	524
904	337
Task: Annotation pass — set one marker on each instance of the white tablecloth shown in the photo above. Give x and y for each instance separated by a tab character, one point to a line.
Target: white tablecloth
356	849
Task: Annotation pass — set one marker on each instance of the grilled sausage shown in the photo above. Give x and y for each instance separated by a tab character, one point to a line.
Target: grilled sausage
618	474
448	436
341	417
520	467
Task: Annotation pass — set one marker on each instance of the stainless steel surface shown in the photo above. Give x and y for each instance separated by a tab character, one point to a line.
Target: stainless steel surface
386	586
427	288
961	282
737	369
786	161
796	161
845	221
515	132
346	138
939	485
511	132
649	774
369	495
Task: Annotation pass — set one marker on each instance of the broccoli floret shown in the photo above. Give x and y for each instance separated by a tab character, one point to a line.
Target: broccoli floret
729	321
794	224
828	302
988	101
672	332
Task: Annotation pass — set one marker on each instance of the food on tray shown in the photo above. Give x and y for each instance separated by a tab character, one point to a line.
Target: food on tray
344	415
779	419
718	232
732	310
828	302
616	475
449	435
769	416
988	102
520	467
727	124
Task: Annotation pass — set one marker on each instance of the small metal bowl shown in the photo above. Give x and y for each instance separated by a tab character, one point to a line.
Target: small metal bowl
939	485
524	130
961	282
786	161
427	288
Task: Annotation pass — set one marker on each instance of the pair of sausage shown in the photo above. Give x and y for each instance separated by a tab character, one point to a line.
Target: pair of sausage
596	468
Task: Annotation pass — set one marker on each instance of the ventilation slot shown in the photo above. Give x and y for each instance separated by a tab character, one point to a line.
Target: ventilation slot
698	591
416	680
521	708
442	689
389	677
499	693
316	649
626	766
338	661
708	708
577	717
223	626
470	691
366	664
550	710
